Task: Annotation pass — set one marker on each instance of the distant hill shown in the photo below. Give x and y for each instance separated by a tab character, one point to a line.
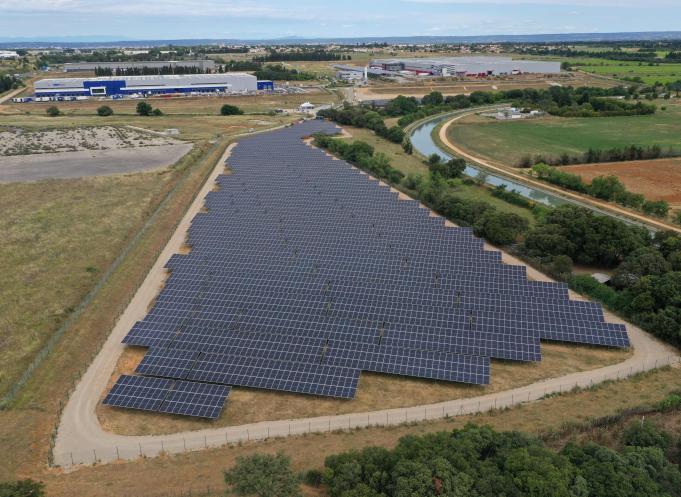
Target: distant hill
102	42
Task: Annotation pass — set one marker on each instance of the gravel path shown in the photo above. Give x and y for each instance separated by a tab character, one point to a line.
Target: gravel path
59	165
81	439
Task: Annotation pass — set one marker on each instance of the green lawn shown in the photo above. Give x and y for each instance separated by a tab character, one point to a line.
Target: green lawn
662	72
508	141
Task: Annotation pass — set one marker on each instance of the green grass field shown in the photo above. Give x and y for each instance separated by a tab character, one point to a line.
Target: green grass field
509	141
663	73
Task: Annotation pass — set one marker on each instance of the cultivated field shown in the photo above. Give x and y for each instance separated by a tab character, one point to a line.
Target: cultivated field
654	179
508	141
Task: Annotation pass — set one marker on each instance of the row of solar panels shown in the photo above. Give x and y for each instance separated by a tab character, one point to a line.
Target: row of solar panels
305	272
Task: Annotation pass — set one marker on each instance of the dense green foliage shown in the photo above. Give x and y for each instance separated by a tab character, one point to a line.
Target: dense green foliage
620	154
302	55
263	475
53	111
608	188
105	111
22	488
646	285
9	82
363	117
480	462
143	108
147	71
230	110
362	155
280	73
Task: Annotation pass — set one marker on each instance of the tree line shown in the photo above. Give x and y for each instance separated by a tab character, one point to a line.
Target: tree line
302	55
608	188
363	117
478	461
594	155
148	71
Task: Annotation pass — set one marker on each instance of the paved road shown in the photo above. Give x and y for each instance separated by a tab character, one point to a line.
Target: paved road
81	439
605	207
35	167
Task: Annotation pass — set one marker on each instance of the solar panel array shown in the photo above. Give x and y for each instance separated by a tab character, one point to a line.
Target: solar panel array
304	272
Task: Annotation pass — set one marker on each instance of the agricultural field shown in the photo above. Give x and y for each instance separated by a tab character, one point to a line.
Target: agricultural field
658	179
506	142
648	72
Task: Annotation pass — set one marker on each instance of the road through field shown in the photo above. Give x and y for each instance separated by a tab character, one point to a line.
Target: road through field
524	178
82	440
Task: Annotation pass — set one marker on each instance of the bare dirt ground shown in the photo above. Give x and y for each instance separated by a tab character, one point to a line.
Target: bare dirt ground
36	167
19	141
658	179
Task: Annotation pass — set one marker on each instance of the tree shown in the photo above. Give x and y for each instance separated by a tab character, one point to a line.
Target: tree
658	208
263	475
642	262
144	108
560	267
433	98
646	434
606	187
230	110
22	488
53	111
104	111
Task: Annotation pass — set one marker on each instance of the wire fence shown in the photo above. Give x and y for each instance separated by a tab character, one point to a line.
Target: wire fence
155	446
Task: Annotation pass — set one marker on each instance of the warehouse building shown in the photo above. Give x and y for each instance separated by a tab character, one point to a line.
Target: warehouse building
201	65
150	85
466	66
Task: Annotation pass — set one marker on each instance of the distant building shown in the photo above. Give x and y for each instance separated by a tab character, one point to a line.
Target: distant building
232	82
466	66
8	54
202	65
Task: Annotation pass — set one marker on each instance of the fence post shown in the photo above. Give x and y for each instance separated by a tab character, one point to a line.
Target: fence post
72	459
118	455
184	442
140	444
205	441
95	454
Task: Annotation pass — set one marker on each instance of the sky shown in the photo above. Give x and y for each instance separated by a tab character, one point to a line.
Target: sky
258	19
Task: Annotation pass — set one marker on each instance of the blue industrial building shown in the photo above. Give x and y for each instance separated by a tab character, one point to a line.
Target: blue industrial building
112	86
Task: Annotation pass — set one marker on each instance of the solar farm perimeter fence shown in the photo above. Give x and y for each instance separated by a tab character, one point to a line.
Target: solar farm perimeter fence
221	437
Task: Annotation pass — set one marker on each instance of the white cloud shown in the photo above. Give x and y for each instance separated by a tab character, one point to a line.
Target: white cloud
584	3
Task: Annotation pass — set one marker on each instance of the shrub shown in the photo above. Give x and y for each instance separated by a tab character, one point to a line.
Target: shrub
230	110
22	488
157	112
263	475
645	434
104	111
53	111
144	109
313	477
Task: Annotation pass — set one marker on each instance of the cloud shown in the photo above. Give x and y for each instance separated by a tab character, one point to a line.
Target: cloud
569	3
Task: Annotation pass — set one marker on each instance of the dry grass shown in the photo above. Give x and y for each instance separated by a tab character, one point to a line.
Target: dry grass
199	470
25	428
375	392
55	247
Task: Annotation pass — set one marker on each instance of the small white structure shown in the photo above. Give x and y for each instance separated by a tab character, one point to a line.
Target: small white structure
306	107
8	54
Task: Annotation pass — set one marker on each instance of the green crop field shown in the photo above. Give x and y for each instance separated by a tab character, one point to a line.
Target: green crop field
509	141
664	73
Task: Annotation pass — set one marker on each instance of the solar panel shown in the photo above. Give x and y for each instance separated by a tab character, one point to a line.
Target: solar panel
304	271
196	399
